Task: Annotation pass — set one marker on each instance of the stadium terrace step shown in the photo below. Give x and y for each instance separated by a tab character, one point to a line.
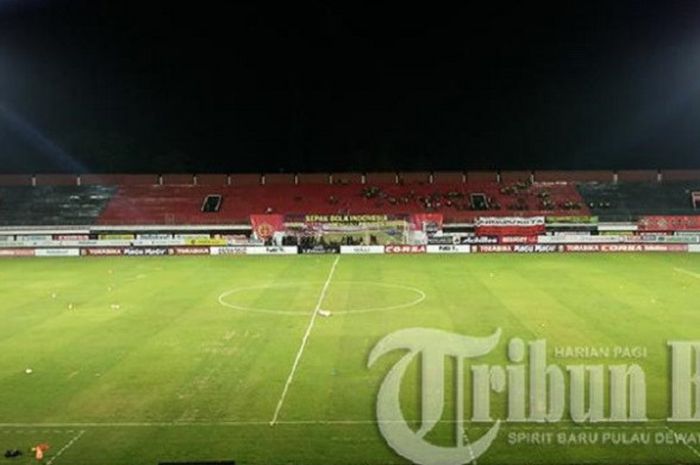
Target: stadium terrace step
52	205
626	201
183	204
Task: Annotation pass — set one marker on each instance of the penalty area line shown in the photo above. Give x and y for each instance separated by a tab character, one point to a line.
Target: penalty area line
304	340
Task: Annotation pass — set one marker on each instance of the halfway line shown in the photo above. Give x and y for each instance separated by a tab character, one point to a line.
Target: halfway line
303	342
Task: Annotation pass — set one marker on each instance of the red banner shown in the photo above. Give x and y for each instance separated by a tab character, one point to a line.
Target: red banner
518	239
669	223
427	221
264	226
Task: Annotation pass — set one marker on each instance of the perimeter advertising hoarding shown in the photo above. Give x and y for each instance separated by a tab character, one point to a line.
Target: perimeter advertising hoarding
449	249
518	248
272	250
361	249
626	248
16	252
404	249
57	252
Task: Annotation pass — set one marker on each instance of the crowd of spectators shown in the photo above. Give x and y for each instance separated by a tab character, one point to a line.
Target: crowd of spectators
519	197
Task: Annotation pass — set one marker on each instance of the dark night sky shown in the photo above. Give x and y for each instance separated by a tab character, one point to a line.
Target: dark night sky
134	86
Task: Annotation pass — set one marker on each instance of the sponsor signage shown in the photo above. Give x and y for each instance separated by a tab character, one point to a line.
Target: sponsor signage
72	237
474	240
441	240
518	248
102	251
35	238
154	237
448	248
228	250
361	249
189	251
145	251
16	252
272	250
578	238
626	248
320	249
206	241
122	237
57	252
518	240
158	242
404	249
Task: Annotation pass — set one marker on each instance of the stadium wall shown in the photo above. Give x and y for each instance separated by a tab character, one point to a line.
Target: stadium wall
637	176
421	177
438	177
212	179
313	178
347	178
680	175
56	180
478	176
574	176
448	177
15	180
177	179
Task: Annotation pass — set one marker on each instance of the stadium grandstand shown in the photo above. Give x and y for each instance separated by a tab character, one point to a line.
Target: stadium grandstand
459	196
330	210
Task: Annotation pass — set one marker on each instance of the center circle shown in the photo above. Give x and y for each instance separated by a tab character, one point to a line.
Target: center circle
300	298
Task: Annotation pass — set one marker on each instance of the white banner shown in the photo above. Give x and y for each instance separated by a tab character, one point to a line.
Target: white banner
57	252
449	248
507	221
229	250
35	238
579	239
288	250
361	249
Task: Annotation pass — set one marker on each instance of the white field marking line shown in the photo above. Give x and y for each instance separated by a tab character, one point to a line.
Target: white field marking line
472	459
510	424
304	340
693	449
66	447
688	272
421	296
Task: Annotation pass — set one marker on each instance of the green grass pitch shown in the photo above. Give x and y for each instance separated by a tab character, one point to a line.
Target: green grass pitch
141	360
